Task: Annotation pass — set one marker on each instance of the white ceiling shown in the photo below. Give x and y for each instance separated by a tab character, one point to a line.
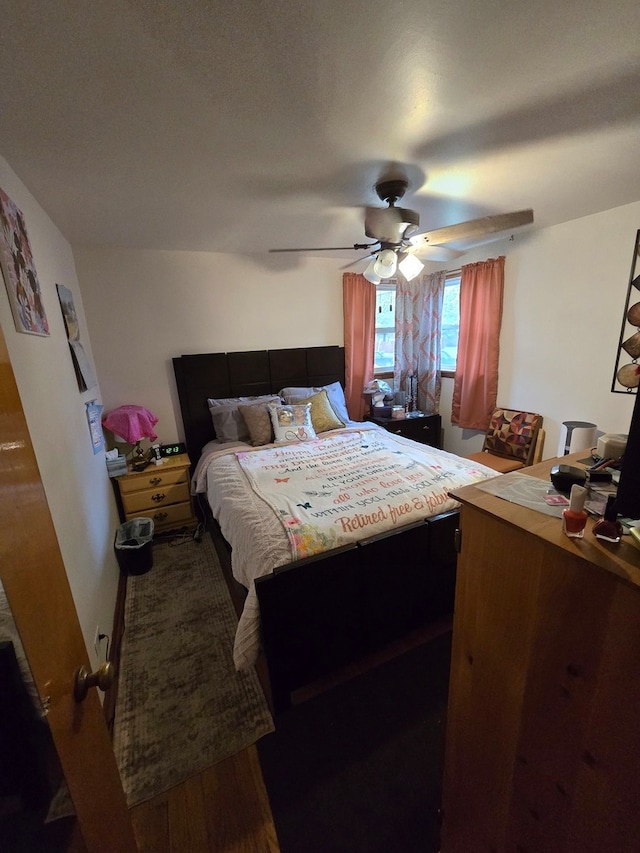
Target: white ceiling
239	127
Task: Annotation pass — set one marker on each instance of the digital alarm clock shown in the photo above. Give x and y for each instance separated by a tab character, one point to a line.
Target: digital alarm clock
172	449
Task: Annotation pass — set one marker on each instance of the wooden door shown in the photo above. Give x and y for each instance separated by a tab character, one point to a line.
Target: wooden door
37	588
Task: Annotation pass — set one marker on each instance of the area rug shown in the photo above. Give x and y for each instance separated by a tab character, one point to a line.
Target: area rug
181	705
358	769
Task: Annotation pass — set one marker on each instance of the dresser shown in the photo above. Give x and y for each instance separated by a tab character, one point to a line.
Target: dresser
543	723
160	492
425	428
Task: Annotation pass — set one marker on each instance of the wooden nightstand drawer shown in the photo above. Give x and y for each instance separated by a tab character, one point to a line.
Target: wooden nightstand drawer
136	502
175	515
153	478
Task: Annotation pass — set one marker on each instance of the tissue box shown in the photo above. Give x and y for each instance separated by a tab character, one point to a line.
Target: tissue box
117	467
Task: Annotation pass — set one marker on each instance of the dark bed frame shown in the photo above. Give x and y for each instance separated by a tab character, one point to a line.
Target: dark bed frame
322	613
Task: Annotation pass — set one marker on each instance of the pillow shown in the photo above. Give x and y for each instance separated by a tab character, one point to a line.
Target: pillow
236	401
335	393
229	422
323	416
258	421
292	423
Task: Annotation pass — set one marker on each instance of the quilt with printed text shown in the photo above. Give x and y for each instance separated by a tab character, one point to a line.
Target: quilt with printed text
335	490
284	502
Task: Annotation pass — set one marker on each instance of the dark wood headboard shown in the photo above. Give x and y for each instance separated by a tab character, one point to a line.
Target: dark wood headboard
240	374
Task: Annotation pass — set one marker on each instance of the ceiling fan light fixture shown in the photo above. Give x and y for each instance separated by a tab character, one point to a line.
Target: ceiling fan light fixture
386	263
390	224
410	266
370	273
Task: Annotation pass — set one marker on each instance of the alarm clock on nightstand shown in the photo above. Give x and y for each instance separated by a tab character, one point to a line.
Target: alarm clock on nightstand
172	449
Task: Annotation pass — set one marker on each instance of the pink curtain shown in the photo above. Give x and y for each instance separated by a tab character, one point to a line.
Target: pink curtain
475	387
359	306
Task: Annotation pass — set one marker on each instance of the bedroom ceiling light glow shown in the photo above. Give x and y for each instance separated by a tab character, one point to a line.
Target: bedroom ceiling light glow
386	264
410	266
370	273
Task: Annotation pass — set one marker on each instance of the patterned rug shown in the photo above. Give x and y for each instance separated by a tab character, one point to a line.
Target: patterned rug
181	705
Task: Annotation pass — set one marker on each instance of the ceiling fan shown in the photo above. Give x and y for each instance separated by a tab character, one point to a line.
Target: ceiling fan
397	243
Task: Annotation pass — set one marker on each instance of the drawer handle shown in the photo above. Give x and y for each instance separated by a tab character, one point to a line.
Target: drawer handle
155	481
397	431
159	497
160	516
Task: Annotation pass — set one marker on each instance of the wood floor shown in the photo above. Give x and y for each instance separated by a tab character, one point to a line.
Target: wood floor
223	810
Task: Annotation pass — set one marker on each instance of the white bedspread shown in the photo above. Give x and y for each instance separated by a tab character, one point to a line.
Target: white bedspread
283	502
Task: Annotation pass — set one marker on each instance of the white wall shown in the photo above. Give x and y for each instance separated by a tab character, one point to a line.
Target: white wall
144	307
565	289
75	480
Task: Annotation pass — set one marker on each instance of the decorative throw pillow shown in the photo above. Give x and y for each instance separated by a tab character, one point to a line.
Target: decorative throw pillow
323	417
292	423
335	393
510	433
258	421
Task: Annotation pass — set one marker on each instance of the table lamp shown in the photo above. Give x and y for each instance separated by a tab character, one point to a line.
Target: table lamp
129	425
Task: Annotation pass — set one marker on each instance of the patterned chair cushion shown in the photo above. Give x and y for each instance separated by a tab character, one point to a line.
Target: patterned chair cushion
511	434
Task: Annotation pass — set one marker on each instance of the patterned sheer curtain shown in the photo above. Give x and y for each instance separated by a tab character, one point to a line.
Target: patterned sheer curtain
359	307
475	387
418	325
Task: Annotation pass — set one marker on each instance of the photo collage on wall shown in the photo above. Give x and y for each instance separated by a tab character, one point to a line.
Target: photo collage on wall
19	271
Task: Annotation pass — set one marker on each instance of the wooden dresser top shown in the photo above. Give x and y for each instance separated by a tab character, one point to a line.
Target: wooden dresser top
622	559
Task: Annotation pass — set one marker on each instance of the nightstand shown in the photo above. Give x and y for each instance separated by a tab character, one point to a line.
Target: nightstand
422	428
160	492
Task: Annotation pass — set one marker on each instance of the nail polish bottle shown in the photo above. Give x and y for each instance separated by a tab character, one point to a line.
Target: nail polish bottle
574	519
608	529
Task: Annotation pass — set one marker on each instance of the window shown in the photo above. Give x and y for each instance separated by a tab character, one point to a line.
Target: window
385	341
386	322
450	324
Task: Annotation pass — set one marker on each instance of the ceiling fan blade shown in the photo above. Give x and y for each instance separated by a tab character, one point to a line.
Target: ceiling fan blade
427	252
355	263
329	248
473	229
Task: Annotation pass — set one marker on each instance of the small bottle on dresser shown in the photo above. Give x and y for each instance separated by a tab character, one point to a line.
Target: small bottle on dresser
574	519
608	529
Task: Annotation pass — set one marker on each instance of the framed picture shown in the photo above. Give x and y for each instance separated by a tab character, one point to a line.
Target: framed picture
19	271
68	312
81	365
626	374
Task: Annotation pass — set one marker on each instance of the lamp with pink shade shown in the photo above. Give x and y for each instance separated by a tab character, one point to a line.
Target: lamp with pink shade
130	424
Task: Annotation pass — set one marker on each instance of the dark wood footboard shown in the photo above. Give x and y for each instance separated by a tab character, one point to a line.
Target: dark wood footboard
327	611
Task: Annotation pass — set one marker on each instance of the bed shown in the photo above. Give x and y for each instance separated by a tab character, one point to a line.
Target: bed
318	601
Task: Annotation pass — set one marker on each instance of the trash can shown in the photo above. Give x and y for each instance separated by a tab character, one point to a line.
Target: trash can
133	545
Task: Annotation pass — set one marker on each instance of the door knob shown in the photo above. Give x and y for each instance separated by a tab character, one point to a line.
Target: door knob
102	678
